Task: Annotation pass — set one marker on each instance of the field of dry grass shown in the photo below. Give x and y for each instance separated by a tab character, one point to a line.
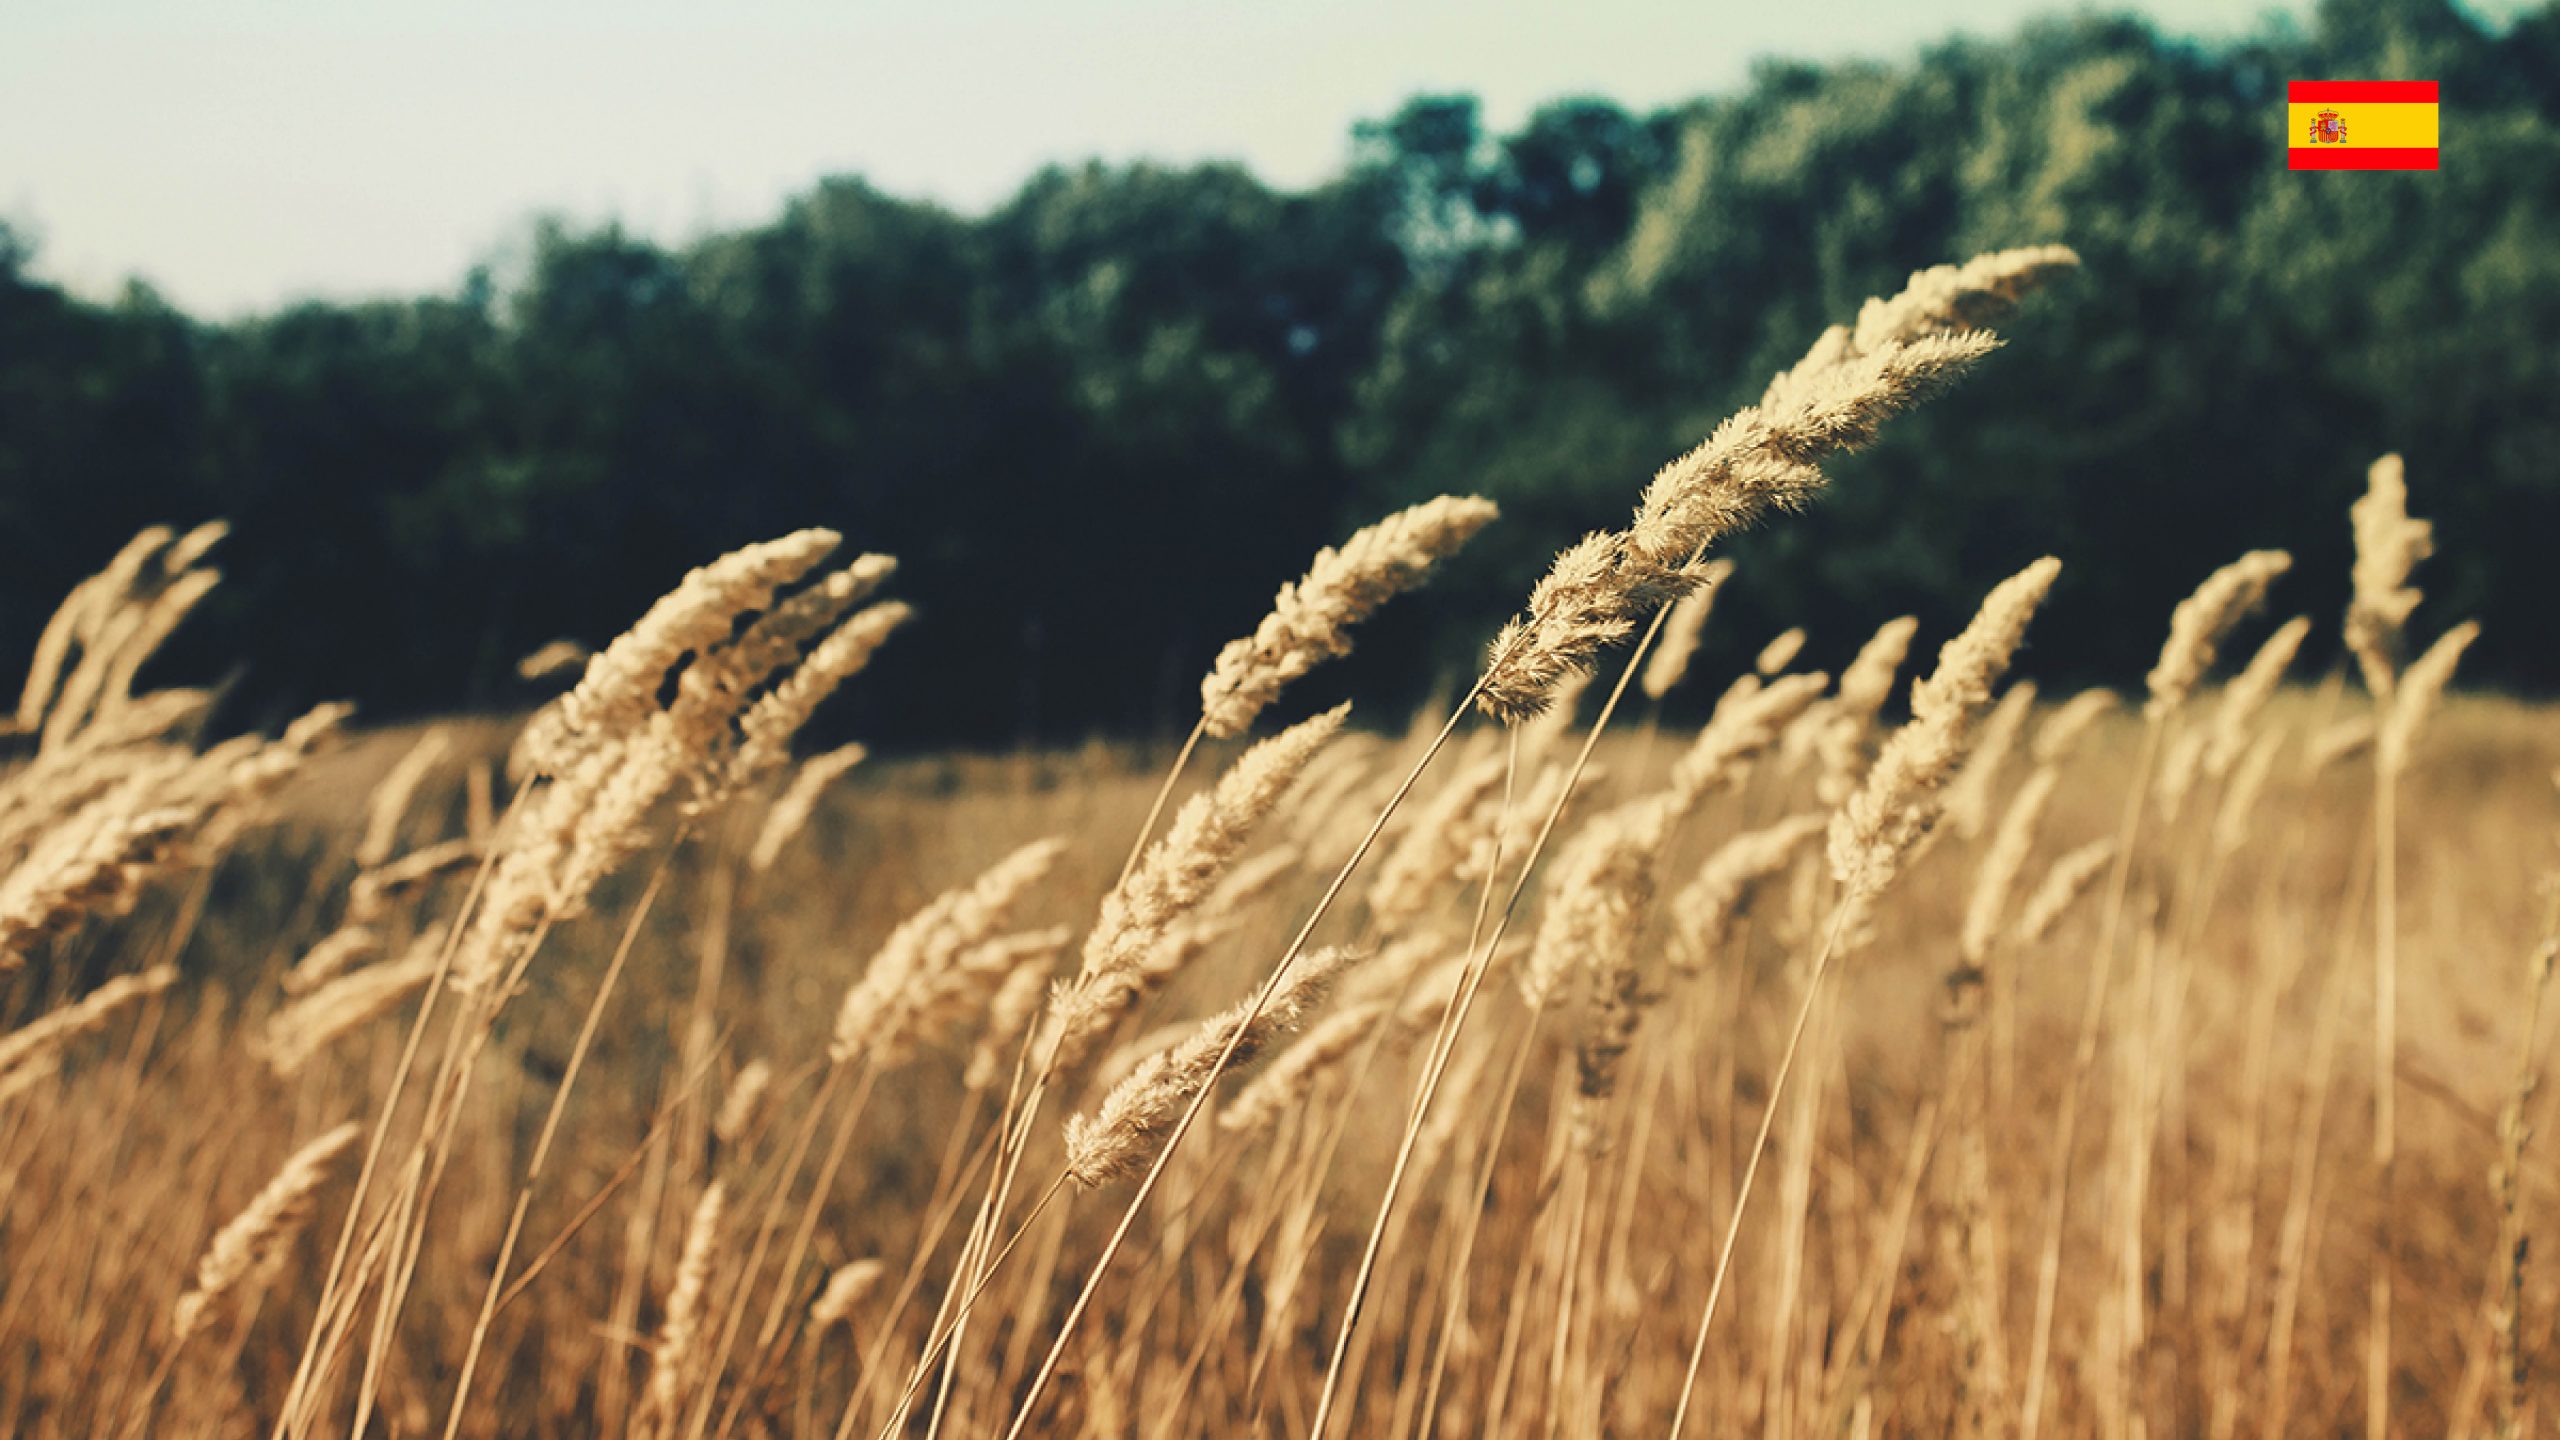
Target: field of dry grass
1880	1058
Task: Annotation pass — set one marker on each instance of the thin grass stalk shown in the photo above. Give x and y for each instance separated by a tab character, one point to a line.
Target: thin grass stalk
1310	1177
929	1241
1454	1019
1577	1214
2386	1080
1020	1118
1265	1217
1515	1319
2293	1246
1182	1127
1013	1124
2083	1061
935	1344
550	1130
2513	1358
298	1391
1452	1314
1164	793
659	1125
734	1314
442	1126
784	1290
1871	1313
1751	1166
1794	1353
1643	1113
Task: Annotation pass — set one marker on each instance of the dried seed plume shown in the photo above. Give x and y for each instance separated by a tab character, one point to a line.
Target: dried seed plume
1311	618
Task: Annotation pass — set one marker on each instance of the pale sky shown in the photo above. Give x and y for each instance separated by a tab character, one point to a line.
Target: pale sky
242	154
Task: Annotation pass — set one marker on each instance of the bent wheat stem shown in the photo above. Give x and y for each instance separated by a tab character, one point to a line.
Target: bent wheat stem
1751	1166
1173	1139
1453	1020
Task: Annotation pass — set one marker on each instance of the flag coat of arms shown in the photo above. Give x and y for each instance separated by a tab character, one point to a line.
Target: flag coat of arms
2360	125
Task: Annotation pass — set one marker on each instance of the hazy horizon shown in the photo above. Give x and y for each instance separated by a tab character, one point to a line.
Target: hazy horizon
138	140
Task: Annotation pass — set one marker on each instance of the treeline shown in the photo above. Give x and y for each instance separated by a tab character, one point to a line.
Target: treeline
1102	422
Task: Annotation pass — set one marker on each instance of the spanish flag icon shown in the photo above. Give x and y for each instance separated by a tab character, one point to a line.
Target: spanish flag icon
2360	125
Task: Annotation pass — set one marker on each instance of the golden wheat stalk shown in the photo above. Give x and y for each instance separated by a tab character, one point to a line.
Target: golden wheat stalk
88	869
2202	620
1850	716
846	1285
2011	844
902	987
1678	644
770	723
1873	832
1705	911
2241	792
553	658
1970	795
1219	917
1603	886
1593	596
790	814
155	622
1311	618
2069	878
1174	876
671	1357
619	690
2389	545
614	752
2248	693
712	691
371	895
965	993
2415	696
2070	723
2507	1180
2336	743
1780	652
25	1049
743	1105
310	1025
1946	297
1118	1137
1604	891
115	617
1761	460
82	613
1746	723
340	949
389	802
1435	844
250	1251
193	546
1010	1011
1289	1080
795	654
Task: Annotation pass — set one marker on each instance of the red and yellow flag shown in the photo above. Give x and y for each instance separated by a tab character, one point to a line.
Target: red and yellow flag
2360	125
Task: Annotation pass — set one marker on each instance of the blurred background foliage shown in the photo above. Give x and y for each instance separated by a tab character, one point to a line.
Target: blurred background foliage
1103	421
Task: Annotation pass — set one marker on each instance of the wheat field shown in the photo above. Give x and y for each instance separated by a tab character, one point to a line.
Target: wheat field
1902	1052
